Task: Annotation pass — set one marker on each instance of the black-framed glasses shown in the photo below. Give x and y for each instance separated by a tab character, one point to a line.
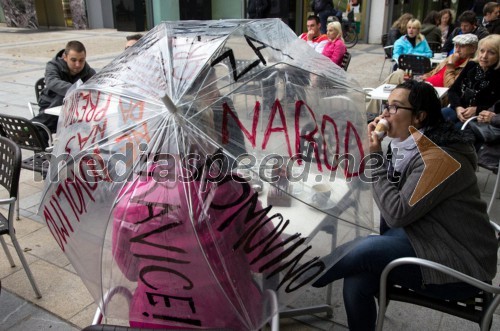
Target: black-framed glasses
393	109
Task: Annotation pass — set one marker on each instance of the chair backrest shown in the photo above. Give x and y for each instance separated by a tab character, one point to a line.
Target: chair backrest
416	63
384	38
435	47
387	49
23	132
10	165
39	86
346	60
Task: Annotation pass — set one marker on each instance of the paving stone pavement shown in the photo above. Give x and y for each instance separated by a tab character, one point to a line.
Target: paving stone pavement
66	304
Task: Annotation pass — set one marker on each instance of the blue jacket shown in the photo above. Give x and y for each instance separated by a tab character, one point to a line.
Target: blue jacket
403	46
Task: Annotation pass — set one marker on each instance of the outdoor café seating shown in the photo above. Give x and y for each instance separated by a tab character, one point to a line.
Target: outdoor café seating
10	171
479	308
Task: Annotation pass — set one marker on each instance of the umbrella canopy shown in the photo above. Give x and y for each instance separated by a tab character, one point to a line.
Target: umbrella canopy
211	161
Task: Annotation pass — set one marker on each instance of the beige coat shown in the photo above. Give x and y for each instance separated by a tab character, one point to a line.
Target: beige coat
397	77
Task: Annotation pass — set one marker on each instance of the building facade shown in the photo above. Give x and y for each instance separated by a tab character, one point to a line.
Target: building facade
375	16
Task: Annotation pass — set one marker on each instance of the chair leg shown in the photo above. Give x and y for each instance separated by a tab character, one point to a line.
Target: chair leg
25	265
382	70
382	307
494	194
17	207
7	252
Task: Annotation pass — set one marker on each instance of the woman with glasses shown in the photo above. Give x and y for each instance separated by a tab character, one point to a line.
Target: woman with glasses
448	225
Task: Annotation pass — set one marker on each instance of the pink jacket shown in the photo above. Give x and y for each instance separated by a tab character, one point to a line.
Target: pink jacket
335	51
156	243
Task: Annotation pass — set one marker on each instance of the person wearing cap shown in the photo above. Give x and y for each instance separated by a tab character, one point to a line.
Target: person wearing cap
446	72
468	24
476	88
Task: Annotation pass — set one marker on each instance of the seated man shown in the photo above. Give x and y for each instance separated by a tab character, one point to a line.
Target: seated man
313	36
65	69
446	72
490	19
468	24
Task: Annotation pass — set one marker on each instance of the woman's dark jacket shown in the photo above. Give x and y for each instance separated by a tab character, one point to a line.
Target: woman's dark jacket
474	87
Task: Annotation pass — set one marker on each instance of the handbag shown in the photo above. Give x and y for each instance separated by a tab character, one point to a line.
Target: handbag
485	132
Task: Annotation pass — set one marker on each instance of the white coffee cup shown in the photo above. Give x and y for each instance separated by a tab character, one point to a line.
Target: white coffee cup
321	194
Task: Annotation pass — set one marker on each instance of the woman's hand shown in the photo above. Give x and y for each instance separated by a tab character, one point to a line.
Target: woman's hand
464	114
375	144
485	116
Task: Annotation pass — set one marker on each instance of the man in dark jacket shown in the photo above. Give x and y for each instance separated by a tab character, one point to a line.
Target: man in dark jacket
65	69
468	24
490	19
259	8
323	9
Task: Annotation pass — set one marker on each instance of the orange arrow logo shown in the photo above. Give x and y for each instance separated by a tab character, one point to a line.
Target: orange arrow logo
439	165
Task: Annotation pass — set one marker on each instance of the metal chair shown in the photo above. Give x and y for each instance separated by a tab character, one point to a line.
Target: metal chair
39	86
479	308
388	53
10	171
416	63
27	136
346	59
125	292
492	169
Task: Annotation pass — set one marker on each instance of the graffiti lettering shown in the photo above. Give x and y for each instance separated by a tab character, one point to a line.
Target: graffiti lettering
88	111
269	239
167	301
70	191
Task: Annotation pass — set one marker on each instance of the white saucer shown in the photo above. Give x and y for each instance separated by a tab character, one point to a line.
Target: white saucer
328	205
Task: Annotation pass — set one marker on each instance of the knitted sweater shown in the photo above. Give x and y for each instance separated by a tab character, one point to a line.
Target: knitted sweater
335	50
449	225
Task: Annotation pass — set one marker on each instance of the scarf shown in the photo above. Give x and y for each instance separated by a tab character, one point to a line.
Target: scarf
402	152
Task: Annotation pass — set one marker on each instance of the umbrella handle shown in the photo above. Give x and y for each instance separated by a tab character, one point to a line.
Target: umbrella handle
169	104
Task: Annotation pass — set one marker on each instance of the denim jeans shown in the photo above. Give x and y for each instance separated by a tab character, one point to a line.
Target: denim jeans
361	269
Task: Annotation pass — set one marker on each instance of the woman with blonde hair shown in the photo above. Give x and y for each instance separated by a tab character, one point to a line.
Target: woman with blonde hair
476	88
398	28
413	42
335	48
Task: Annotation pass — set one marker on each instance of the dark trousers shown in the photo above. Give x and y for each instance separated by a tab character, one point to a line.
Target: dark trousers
361	269
50	121
323	18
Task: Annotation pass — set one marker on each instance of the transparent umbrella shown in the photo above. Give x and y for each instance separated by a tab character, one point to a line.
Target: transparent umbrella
208	163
